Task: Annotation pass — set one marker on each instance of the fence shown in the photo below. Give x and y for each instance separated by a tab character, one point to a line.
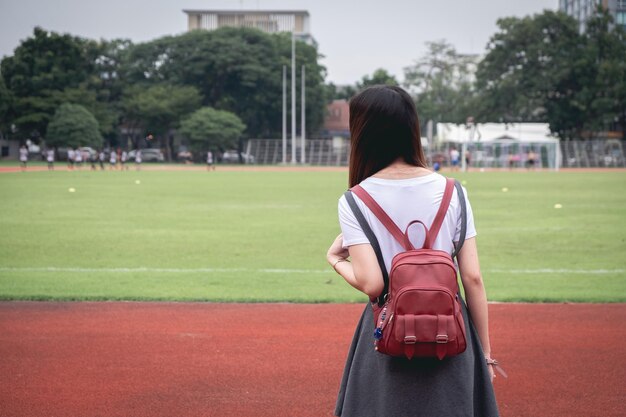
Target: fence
330	152
568	154
501	154
593	154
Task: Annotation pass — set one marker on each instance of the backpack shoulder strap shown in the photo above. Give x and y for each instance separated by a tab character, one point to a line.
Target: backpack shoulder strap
461	195
373	241
441	213
380	214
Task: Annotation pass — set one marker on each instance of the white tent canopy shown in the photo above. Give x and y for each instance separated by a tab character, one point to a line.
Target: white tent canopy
502	144
492	132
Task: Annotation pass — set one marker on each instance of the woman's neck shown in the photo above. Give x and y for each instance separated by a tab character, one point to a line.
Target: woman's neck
399	169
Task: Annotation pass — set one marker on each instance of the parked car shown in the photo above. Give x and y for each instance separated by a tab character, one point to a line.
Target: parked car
86	151
148	155
90	151
184	155
232	157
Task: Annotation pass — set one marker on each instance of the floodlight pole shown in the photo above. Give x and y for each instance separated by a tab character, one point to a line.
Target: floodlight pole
293	98
303	121
284	114
429	137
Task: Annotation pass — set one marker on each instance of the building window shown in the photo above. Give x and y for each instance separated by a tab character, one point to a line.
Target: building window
620	18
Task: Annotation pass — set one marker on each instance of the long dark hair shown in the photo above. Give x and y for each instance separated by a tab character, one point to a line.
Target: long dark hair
383	127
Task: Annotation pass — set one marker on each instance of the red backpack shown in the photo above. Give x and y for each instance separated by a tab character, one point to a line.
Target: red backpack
419	312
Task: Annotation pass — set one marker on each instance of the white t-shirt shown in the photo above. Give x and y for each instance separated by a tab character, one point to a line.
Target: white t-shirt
113	158
50	156
406	200
78	156
70	155
23	154
124	156
454	155
138	157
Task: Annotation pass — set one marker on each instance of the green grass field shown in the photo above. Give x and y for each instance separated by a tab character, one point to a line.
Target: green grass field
262	236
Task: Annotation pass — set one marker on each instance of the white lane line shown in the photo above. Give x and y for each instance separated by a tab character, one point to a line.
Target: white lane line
164	270
286	270
557	271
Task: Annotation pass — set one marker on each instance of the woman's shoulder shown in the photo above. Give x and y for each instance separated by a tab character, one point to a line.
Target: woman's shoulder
427	180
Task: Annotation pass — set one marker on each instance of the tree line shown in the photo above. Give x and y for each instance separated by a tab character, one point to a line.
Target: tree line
227	83
217	87
535	69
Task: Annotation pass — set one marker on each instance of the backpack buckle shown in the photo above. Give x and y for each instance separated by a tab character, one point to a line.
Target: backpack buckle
410	340
441	338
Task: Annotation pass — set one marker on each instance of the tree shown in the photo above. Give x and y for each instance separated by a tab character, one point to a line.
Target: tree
159	108
5	107
603	71
443	82
379	77
345	92
238	70
210	129
541	68
73	125
45	63
530	72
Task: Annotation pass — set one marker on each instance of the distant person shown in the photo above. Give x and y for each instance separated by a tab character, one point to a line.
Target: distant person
50	159
468	160
78	158
23	157
388	162
101	159
455	158
113	160
138	160
209	161
531	159
93	160
70	158
123	158
511	160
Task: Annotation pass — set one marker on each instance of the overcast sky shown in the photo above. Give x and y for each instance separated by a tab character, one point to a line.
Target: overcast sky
355	36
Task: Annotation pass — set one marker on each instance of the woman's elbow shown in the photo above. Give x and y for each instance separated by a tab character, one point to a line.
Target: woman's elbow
372	288
473	280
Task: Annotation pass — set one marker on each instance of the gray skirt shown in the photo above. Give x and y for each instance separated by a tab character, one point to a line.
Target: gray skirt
377	385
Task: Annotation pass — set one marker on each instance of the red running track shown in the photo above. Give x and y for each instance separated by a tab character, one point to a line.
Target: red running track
202	359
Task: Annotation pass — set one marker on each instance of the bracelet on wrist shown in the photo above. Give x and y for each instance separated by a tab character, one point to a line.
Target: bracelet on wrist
496	366
337	261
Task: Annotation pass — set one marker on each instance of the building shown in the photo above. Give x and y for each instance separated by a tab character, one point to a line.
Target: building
297	22
337	120
581	10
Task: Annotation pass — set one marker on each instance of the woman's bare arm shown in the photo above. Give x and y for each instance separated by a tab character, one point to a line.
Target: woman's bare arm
363	272
475	293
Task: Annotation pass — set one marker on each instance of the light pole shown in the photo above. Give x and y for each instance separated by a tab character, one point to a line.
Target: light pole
303	121
293	98
284	114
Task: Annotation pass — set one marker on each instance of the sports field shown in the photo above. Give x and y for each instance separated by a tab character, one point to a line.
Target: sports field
262	236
